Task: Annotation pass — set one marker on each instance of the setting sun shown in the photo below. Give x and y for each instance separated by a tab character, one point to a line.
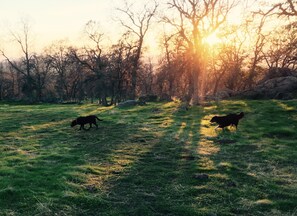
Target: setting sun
212	39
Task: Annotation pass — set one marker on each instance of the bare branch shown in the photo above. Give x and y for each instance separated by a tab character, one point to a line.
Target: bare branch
288	8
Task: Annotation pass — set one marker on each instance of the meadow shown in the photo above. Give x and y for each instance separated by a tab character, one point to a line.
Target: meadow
157	159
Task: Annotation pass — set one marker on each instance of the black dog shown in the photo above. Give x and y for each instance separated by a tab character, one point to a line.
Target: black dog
224	121
85	120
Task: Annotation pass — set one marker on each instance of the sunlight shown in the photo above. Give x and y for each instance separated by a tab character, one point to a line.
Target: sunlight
181	129
212	39
45	125
206	145
98	175
285	106
206	129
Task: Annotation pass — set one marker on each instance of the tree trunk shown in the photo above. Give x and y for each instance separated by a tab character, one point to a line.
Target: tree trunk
135	70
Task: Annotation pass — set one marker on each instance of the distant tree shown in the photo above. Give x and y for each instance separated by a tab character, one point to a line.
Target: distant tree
25	67
93	62
146	78
257	40
226	60
172	79
42	70
256	29
282	50
138	24
121	57
58	55
7	82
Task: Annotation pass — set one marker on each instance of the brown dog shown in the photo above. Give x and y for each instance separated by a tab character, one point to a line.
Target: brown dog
224	121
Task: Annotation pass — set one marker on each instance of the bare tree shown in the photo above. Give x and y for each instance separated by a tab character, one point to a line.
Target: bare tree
287	8
94	62
146	79
58	55
260	40
197	19
138	24
175	63
27	64
7	82
42	69
120	64
224	60
282	49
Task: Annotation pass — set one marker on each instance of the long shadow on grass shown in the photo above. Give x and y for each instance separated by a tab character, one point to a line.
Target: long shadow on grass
192	170
171	165
152	160
162	178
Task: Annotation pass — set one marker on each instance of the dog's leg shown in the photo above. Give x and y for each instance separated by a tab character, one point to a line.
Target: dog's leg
236	125
87	128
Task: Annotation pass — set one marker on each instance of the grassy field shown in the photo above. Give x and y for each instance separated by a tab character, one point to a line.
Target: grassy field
149	160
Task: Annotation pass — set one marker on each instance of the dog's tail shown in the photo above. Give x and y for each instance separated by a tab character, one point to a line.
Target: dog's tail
98	118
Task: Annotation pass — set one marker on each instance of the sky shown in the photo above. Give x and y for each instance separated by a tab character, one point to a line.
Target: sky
54	17
53	20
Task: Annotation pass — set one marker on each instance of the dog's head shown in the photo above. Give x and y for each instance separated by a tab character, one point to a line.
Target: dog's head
73	123
214	119
241	115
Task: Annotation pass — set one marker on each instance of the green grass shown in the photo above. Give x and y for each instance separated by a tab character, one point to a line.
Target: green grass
149	160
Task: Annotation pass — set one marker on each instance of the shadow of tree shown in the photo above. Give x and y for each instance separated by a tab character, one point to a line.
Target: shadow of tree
154	160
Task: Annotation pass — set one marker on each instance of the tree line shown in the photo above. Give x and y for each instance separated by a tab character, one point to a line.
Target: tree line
189	67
